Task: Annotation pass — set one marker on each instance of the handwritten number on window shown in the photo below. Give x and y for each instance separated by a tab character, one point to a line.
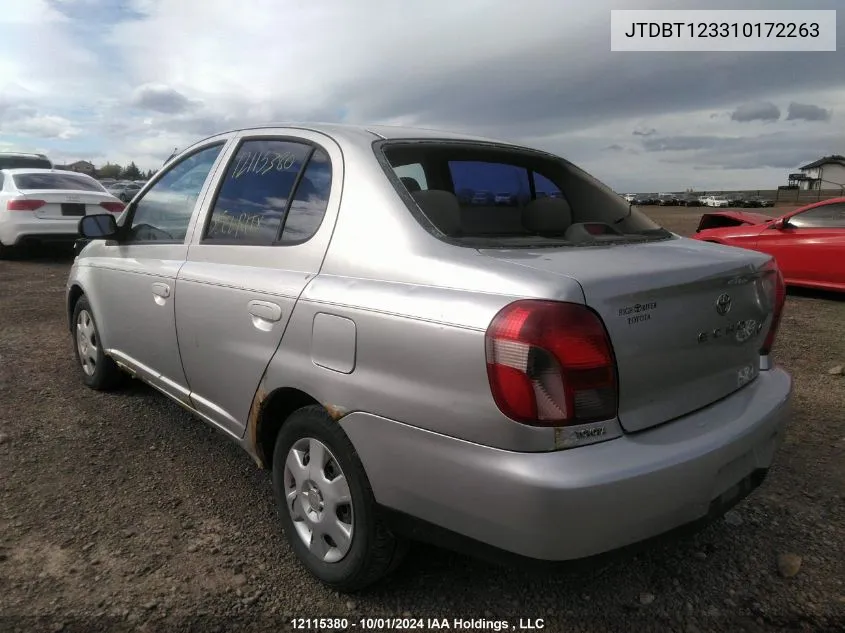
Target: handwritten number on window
262	163
244	224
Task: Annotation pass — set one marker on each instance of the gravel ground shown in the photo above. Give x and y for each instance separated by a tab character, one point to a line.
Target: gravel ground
121	512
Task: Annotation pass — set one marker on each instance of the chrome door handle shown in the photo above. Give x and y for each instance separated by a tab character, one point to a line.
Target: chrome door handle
160	292
265	310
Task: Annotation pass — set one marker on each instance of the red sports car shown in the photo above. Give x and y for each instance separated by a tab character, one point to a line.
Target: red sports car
808	243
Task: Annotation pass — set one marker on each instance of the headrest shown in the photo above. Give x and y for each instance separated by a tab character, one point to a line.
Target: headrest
411	184
442	208
547	215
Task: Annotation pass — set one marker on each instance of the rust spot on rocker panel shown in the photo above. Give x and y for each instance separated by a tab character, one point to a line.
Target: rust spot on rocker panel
253	423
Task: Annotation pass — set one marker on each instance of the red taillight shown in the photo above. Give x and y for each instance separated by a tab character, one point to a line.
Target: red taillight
24	204
775	290
113	207
551	364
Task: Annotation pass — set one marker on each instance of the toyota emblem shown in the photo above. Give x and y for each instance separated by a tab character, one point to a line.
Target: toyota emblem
723	304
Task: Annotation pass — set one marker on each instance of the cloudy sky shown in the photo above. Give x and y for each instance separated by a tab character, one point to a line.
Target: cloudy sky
124	80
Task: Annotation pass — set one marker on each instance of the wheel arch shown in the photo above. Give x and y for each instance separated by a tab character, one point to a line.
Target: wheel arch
74	294
269	411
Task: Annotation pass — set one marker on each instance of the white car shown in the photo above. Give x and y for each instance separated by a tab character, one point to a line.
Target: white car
44	205
716	201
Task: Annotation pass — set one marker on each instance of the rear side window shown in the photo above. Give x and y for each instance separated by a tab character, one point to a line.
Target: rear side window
274	191
489	195
66	182
310	200
412	176
545	188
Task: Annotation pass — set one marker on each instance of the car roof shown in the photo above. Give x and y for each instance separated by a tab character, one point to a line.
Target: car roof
28	154
365	134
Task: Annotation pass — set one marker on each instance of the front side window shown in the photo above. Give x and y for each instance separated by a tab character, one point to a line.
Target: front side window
829	216
273	191
164	212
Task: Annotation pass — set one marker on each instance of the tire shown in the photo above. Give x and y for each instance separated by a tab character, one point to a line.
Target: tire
371	551
99	372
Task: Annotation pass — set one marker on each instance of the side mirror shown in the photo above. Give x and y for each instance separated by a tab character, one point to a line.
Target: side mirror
98	227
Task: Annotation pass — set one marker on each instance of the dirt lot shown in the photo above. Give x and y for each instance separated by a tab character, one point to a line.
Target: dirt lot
121	512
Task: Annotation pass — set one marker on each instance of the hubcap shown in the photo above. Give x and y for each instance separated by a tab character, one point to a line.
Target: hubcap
86	342
318	499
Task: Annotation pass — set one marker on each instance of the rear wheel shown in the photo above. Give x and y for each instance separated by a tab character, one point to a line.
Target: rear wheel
98	370
326	504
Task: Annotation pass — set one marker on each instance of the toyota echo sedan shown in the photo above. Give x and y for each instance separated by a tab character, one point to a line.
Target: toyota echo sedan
551	379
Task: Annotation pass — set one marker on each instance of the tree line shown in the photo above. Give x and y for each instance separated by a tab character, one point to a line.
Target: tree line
124	172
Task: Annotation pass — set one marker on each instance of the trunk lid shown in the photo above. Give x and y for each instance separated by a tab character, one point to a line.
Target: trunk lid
686	319
68	205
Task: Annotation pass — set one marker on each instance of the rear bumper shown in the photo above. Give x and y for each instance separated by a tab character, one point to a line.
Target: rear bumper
581	502
17	231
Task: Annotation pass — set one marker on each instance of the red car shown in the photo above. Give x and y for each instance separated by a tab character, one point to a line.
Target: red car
808	243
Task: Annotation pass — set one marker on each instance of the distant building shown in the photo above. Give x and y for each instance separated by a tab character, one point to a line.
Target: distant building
827	172
80	166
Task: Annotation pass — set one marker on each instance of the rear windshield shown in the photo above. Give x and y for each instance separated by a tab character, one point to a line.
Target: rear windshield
65	182
487	195
24	162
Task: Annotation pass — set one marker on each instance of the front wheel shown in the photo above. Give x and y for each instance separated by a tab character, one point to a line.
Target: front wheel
98	370
326	504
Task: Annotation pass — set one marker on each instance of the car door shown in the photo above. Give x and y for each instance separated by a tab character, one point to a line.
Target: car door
261	240
134	276
809	247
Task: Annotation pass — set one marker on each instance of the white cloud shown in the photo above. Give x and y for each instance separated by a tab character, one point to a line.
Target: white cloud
46	126
132	80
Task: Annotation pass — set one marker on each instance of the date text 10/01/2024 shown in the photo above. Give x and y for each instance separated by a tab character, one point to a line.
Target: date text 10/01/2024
418	624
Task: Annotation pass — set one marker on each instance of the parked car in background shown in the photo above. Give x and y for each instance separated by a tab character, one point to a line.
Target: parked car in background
22	160
716	201
629	197
667	200
330	321
645	199
736	199
757	202
691	200
750	202
43	205
482	197
124	190
807	243
465	195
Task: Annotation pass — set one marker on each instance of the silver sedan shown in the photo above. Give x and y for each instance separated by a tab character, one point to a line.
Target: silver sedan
552	378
